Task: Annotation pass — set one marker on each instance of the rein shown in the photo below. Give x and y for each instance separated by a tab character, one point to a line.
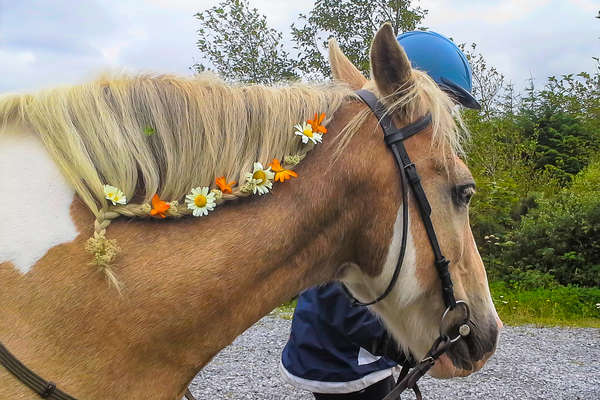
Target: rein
394	138
45	389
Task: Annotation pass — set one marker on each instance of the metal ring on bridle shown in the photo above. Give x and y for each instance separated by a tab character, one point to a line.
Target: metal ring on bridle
464	329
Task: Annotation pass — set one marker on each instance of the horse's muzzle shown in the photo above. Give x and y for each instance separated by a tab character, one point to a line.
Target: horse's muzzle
469	354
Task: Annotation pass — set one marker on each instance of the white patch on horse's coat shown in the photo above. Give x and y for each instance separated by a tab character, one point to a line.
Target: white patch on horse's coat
35	200
408	328
407	287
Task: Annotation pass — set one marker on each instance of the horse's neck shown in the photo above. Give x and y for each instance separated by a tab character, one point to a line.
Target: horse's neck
191	287
270	248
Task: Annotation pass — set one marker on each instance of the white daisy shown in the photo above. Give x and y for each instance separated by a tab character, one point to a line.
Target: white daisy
200	201
115	195
260	179
306	133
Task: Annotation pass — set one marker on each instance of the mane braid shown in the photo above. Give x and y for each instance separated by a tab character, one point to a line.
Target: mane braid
164	135
201	128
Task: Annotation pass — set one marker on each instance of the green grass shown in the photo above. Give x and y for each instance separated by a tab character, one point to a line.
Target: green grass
555	306
286	310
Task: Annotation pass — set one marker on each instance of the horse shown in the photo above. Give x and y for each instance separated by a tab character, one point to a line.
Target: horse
181	288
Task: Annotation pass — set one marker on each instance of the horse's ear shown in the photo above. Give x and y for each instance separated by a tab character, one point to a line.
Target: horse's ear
390	67
342	69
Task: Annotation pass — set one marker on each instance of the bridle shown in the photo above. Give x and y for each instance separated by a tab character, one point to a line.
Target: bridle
394	138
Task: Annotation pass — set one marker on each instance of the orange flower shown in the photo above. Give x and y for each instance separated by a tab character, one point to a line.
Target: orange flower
159	207
316	123
281	174
223	185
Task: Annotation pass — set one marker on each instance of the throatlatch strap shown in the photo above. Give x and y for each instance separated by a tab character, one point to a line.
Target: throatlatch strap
44	389
394	137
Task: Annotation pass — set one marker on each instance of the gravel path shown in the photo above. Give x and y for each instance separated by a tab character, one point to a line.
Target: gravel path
531	363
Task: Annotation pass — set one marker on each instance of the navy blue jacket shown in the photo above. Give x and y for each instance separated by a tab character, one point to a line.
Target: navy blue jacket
326	340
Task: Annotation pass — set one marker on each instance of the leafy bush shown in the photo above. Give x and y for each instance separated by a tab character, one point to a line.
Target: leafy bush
561	237
500	158
563	118
531	279
536	217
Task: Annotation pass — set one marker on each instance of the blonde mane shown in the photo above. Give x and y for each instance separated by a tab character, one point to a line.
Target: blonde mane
164	134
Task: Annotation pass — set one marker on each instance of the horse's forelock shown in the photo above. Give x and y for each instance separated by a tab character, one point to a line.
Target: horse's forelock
419	96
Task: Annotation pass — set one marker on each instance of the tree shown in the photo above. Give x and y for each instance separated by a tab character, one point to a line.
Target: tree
238	43
353	23
488	82
564	119
562	236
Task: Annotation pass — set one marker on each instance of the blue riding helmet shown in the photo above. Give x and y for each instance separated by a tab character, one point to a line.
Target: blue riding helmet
443	61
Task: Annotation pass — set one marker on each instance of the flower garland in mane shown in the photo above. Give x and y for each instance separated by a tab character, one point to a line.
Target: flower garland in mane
161	146
202	200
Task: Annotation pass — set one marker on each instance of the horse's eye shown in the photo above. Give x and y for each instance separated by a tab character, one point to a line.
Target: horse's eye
463	194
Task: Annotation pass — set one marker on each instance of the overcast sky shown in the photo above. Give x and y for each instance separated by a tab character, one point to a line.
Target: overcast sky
48	42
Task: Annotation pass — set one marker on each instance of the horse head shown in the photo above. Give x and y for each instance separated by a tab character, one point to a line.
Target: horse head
413	309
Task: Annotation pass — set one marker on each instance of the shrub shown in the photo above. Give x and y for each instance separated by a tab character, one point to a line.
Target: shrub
561	237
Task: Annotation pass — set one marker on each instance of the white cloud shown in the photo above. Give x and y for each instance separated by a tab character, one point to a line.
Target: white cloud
491	12
49	43
590	6
523	39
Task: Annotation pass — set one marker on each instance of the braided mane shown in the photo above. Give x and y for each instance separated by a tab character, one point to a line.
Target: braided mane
200	128
164	135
